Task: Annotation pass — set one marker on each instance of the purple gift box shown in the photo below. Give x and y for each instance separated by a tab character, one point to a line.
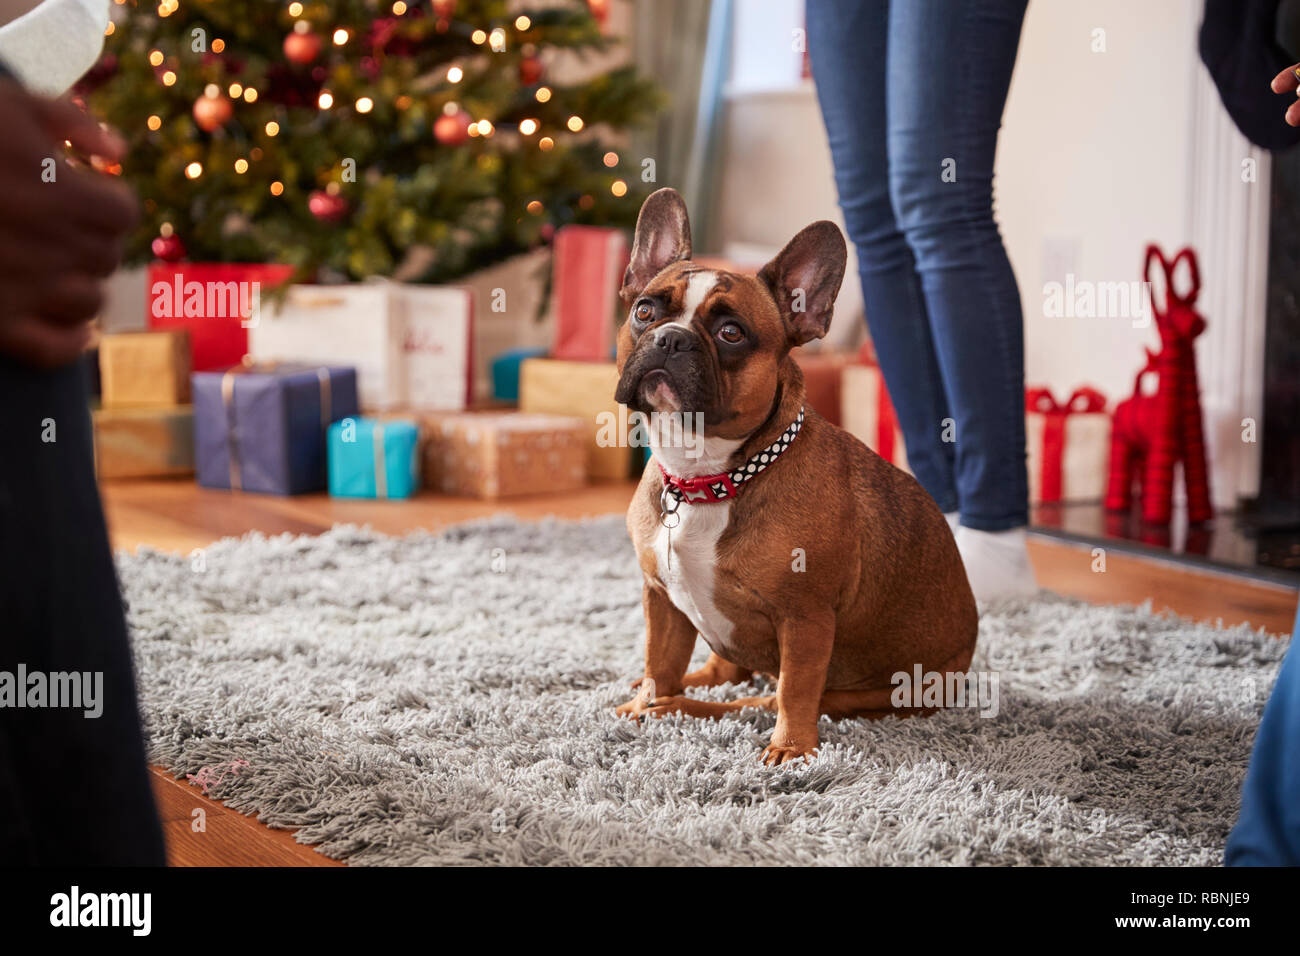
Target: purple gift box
262	427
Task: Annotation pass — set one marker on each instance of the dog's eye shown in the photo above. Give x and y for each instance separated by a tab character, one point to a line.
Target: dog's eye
731	333
643	312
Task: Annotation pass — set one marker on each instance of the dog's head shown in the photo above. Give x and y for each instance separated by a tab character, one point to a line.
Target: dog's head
708	341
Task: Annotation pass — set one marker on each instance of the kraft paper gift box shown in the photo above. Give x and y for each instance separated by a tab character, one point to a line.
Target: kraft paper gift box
589	266
1068	444
412	345
501	454
369	458
868	414
215	302
582	390
823	373
144	369
144	442
262	428
505	373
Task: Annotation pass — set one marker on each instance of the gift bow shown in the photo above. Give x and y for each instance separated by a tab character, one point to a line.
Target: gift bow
1084	400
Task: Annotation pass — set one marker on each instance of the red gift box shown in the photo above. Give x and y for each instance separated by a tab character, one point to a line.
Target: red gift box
214	301
589	266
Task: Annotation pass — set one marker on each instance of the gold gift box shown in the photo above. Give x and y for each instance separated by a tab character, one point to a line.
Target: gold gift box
502	454
144	442
145	369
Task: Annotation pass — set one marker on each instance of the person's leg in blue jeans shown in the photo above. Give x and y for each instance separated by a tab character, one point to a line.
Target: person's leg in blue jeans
1268	830
940	296
849	43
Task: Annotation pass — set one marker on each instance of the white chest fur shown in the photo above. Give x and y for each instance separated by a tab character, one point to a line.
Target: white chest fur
687	554
687	557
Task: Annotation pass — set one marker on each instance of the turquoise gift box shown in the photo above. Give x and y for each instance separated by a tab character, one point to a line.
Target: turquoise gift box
505	373
374	459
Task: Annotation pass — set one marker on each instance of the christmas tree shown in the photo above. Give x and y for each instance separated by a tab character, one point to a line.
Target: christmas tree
421	139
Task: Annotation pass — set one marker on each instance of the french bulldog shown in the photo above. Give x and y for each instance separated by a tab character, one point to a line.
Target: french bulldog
784	542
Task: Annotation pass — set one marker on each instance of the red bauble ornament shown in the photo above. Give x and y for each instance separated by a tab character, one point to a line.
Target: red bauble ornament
212	112
444	9
326	207
530	70
168	248
302	48
452	129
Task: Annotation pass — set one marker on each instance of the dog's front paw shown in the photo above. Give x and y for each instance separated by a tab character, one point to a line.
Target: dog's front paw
784	748
643	706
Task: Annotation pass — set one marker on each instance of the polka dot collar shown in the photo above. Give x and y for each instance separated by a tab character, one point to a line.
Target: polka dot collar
725	485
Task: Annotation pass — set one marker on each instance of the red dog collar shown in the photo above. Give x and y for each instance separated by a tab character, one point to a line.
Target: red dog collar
726	485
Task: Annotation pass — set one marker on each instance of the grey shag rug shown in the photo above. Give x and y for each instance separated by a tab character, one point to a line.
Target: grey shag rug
448	699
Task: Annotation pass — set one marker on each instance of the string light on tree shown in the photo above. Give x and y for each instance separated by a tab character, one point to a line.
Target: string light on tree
194	170
455	74
575	124
365	104
618	187
543	94
325	100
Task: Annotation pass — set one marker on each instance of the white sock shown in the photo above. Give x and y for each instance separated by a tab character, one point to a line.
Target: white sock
997	563
953	517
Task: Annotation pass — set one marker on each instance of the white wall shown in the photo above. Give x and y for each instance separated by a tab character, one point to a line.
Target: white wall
1093	164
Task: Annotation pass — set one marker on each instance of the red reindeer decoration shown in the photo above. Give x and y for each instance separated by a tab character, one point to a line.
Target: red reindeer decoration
1153	433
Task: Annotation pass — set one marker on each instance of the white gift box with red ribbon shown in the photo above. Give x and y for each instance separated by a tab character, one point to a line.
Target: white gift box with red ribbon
412	345
867	413
1068	446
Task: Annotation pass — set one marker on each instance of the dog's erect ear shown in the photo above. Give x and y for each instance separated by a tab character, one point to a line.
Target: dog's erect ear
663	235
805	277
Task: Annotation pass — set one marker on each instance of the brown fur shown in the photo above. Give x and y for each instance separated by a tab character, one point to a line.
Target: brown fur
883	587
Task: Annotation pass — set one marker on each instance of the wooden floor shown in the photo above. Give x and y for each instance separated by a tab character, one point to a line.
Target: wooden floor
178	516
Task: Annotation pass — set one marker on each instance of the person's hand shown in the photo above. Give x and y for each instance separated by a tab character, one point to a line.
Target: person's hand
58	240
1287	82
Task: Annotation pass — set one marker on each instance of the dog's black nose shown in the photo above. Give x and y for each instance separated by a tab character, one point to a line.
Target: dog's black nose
672	338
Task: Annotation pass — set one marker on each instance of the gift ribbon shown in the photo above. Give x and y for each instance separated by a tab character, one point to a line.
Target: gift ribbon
886	420
228	401
381	468
1085	400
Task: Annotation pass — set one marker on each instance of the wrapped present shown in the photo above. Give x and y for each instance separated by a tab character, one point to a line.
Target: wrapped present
505	373
262	428
437	345
144	442
510	311
216	302
1069	446
868	414
823	374
369	458
358	325
582	390
412	345
589	266
145	369
501	454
